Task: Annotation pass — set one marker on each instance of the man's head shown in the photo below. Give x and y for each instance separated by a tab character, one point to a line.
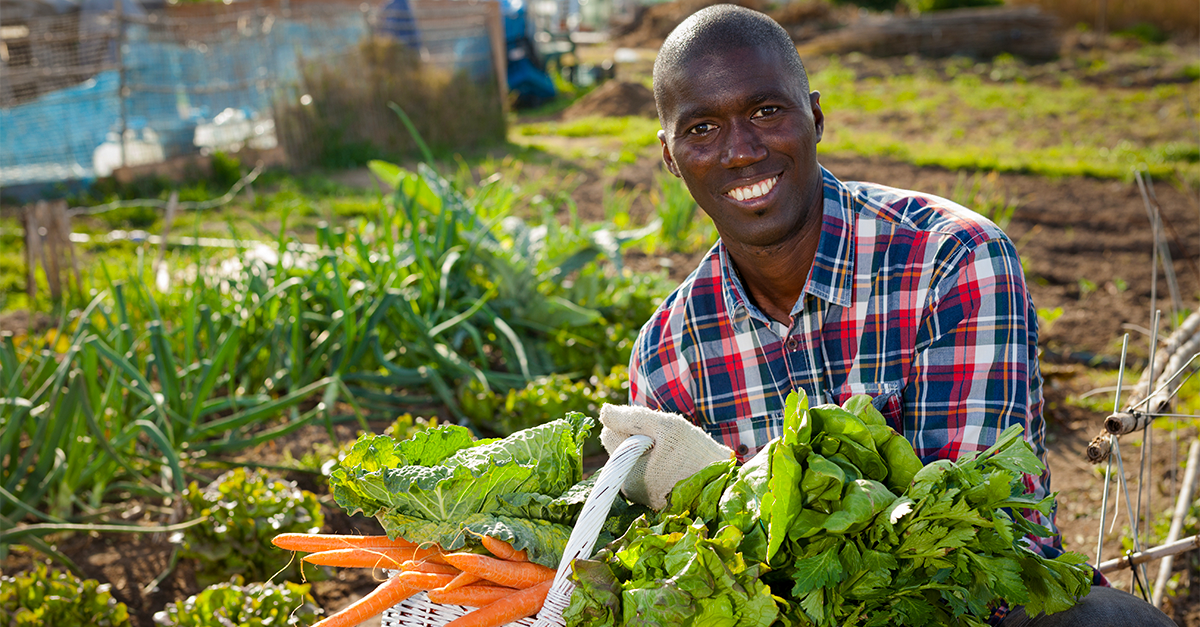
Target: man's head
739	124
719	28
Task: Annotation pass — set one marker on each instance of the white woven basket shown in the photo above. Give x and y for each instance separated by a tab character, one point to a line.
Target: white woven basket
419	611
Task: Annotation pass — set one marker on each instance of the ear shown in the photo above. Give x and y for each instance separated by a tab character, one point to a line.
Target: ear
818	115
666	154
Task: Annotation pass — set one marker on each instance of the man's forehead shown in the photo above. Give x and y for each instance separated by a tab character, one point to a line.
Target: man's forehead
724	67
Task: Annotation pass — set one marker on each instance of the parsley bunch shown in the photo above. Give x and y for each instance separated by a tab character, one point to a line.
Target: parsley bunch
847	527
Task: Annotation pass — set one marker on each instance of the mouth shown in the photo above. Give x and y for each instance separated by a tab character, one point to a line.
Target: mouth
754	191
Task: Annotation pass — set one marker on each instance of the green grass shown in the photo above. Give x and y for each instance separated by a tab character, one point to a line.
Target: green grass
631	131
972	123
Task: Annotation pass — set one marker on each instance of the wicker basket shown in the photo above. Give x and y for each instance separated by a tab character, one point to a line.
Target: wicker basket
419	611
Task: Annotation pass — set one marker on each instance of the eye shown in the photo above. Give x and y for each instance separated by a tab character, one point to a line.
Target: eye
702	128
764	112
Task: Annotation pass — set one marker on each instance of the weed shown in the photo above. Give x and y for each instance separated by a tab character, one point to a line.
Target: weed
1086	287
1047	318
979	193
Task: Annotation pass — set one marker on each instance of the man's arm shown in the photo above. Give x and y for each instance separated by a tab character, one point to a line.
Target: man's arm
975	371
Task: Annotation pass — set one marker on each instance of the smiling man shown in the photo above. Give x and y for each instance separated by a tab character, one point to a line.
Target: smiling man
837	288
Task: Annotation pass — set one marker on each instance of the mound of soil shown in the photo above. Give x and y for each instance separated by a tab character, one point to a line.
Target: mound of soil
614	98
802	20
651	26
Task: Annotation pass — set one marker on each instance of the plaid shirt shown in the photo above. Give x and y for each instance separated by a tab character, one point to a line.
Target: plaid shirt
912	299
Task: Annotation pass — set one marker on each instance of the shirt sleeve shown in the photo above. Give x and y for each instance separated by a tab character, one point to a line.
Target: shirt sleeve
975	371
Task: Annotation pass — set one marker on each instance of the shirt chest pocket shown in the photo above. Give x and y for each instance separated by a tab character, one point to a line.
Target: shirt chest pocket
885	397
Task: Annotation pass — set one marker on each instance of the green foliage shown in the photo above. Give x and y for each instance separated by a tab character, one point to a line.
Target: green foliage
440	484
44	597
685	229
925	6
226	170
1047	317
632	131
545	399
849	529
707	580
1145	32
980	194
245	510
245	605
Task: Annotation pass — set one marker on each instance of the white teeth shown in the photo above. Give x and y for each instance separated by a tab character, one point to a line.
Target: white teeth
754	191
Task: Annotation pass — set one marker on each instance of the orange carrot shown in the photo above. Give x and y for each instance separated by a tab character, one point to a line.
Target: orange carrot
425	566
503	572
503	550
463	579
369	558
313	542
425	581
391	592
472	596
513	607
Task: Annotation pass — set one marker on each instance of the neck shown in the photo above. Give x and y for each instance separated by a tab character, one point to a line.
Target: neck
775	275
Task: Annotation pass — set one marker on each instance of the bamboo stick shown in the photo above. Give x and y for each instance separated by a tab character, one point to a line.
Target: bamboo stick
1149	555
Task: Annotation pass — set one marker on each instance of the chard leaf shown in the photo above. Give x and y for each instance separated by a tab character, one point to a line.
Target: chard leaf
782	501
841	424
741	502
863	500
823	479
686	495
860	405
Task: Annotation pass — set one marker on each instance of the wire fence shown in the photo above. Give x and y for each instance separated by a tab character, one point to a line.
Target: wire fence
84	94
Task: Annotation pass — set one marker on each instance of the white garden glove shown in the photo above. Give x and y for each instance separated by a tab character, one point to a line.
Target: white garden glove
680	450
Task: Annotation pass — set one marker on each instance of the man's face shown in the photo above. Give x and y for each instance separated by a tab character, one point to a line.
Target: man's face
742	132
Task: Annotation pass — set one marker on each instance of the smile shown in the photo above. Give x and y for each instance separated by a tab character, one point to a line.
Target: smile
750	192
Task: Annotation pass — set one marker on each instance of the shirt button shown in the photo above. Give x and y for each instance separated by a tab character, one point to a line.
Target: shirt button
742	449
793	343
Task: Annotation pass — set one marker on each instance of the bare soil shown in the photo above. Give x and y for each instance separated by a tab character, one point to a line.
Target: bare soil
614	98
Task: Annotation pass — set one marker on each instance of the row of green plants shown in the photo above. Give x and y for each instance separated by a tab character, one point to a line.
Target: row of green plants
439	291
244	508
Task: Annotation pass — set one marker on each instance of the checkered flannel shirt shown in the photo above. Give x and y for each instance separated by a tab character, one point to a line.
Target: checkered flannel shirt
912	299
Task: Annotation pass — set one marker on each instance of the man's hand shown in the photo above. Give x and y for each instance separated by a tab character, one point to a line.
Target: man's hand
680	450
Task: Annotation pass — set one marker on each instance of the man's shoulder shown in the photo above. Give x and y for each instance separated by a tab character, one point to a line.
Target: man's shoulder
894	208
699	294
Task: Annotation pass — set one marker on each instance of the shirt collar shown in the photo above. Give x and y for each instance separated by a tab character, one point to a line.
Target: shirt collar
832	275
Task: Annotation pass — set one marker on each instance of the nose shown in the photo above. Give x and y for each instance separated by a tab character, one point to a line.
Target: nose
742	147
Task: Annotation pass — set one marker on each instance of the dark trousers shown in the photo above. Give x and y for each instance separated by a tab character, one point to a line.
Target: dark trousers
1102	607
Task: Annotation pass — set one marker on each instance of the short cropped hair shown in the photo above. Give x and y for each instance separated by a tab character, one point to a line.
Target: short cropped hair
722	27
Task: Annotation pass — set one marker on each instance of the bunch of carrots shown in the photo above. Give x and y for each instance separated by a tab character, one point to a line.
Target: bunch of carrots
504	586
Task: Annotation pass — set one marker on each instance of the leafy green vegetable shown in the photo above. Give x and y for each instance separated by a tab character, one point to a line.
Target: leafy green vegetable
245	605
45	597
843	524
672	573
440	484
245	510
